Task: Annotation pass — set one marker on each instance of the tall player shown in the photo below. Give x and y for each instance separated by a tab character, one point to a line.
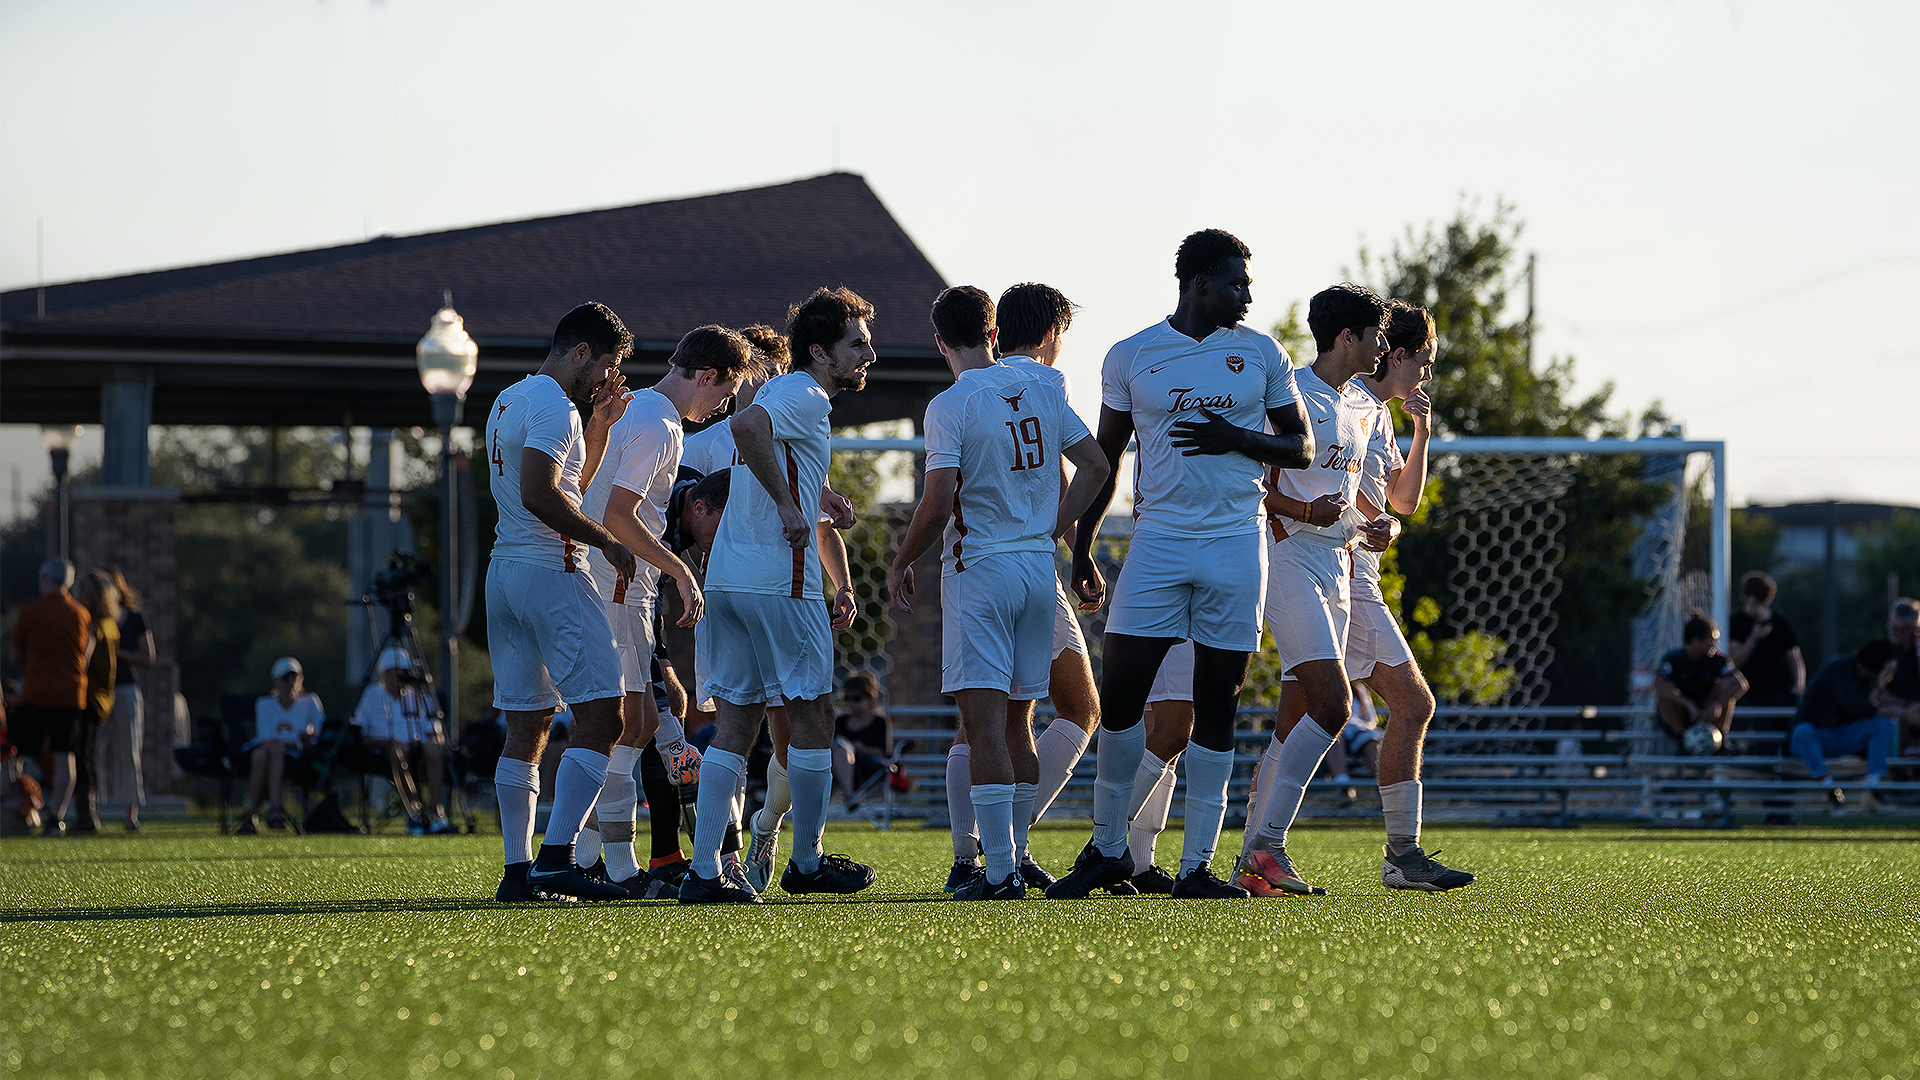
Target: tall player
994	442
770	617
1197	388
629	496
546	624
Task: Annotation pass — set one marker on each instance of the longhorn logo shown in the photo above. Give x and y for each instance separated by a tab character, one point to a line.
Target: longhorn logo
1236	363
1013	401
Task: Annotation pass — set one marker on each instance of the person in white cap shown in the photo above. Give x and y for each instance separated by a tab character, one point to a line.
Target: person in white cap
286	722
397	722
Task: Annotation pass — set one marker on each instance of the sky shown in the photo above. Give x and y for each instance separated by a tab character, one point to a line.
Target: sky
1720	196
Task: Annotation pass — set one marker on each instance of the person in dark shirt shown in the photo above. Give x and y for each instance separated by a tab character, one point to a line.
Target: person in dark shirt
1841	714
1697	683
862	738
1902	698
1763	645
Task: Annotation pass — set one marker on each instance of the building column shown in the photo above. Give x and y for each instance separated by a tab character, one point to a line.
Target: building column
126	411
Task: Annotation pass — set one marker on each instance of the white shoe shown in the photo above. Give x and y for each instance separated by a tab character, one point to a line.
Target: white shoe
763	852
734	874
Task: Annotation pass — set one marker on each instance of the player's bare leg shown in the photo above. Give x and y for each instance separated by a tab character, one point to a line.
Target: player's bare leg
1410	710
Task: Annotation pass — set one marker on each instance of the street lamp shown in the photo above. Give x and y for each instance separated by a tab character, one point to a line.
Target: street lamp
58	439
448	360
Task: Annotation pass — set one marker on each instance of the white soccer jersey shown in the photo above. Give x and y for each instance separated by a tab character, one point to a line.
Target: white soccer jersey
1042	372
1004	428
1383	460
707	452
1161	376
534	412
1342	422
643	456
750	554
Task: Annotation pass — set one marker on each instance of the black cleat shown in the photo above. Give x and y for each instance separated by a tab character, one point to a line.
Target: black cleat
568	879
836	874
515	890
1013	888
964	870
1200	883
1035	877
1153	881
663	882
1093	870
1419	871
695	889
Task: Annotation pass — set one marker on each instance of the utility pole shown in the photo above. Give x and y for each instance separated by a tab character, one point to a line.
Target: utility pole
1531	257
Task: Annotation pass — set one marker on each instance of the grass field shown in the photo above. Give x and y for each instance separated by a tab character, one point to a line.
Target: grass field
1589	953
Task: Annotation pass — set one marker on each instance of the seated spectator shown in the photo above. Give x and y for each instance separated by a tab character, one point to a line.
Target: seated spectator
285	723
1764	647
1902	698
1697	683
398	723
1841	714
53	640
862	739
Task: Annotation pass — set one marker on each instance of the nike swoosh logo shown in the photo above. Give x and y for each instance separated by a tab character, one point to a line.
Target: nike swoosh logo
1155	369
1324	420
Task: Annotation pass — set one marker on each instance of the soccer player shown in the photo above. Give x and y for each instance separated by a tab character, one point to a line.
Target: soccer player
546	624
770	618
629	496
994	440
1197	388
1376	649
1169	722
1032	321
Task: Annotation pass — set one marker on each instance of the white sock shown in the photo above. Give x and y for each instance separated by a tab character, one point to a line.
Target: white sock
670	731
516	784
810	772
1023	795
966	833
1115	763
1300	757
1263	783
586	846
576	784
719	772
618	800
779	798
1059	748
1401	804
1207	774
993	807
1151	819
738	816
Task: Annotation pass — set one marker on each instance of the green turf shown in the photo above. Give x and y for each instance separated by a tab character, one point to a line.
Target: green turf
1589	953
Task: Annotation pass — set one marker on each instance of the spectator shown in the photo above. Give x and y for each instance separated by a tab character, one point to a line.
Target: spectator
123	735
862	739
52	639
1697	683
397	722
1764	647
285	723
96	593
1902	698
1841	714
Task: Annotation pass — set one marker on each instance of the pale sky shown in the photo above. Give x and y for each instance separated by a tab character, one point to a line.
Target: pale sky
1721	195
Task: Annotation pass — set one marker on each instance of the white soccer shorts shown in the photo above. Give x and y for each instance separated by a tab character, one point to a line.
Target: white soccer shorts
996	624
1374	639
703	648
1066	622
633	636
1175	681
766	648
1205	590
1308	602
549	637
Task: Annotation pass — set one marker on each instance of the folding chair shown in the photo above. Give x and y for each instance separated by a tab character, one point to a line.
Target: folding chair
880	784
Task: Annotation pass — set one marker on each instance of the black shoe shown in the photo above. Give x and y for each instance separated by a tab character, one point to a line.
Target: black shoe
515	890
695	889
54	828
1200	883
1153	881
964	870
1421	871
1013	888
561	876
663	882
248	827
1035	877
836	874
598	871
1093	870
276	820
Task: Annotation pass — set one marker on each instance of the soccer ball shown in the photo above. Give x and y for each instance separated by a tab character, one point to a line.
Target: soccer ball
1701	740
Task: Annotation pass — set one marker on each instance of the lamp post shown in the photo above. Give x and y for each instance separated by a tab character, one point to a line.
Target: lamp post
58	439
448	359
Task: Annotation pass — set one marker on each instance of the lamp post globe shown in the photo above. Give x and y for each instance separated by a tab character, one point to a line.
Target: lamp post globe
448	360
58	439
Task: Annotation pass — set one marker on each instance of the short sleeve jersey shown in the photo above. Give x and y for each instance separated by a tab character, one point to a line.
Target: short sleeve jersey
1768	671
709	451
750	554
534	413
1343	423
1162	376
643	456
1383	460
271	720
1694	678
1003	427
402	718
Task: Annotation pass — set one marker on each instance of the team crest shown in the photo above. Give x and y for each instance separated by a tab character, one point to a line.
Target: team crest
1236	363
1014	400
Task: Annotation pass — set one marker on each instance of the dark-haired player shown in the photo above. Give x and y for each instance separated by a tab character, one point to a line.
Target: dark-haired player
1197	388
770	623
1697	683
546	624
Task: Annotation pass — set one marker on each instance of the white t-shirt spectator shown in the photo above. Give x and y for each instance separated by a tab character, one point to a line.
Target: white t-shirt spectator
643	456
273	721
533	413
393	718
750	553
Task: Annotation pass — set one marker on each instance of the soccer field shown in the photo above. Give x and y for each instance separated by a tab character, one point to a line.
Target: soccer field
1602	953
